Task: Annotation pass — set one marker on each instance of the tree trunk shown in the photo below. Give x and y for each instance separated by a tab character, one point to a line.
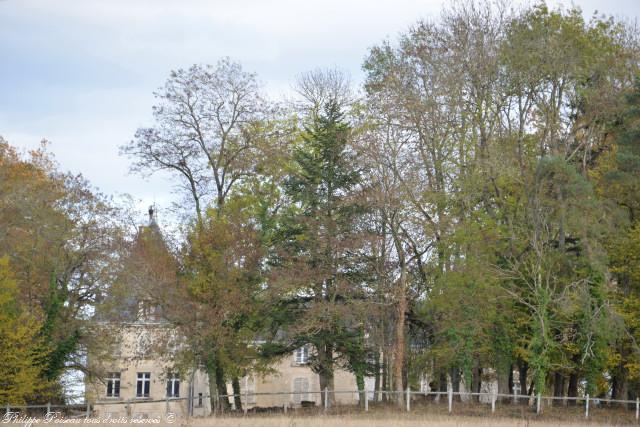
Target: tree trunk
237	397
455	380
558	387
376	386
217	385
619	386
523	370
325	371
221	386
442	381
385	375
361	390
510	379
399	348
212	388
572	391
502	374
476	380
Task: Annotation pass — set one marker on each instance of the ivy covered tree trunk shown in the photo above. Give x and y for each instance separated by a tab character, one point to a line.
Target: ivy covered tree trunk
455	381
558	387
222	388
476	379
217	385
325	372
523	370
362	392
237	393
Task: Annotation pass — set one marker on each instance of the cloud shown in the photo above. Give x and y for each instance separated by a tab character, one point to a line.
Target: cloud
82	73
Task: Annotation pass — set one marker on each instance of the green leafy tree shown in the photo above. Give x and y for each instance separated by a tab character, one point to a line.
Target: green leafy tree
24	352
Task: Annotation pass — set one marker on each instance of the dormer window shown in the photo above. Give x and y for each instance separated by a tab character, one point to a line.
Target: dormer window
302	355
147	312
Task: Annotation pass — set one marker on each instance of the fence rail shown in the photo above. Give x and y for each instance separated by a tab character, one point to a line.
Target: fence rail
492	399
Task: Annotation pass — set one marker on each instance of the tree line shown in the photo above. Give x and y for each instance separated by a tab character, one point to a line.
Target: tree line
468	213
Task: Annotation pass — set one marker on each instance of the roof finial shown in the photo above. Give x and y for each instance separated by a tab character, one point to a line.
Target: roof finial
152	220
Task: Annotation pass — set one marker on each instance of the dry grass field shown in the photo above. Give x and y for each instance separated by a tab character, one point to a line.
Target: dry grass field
436	415
383	420
428	415
399	421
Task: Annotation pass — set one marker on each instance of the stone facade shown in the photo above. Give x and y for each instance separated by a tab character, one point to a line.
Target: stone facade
136	375
303	384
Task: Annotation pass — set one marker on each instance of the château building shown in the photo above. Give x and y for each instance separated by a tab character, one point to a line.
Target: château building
136	378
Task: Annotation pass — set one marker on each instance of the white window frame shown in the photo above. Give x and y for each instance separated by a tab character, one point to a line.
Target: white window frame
301	355
113	383
173	385
143	384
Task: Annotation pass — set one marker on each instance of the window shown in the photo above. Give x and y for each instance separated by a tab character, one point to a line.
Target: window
300	390
143	345
173	385
147	311
143	384
250	390
302	355
113	384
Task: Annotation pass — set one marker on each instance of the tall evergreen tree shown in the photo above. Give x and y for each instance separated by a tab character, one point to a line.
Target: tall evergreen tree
318	268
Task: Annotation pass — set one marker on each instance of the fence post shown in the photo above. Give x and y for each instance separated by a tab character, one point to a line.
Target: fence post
246	401
285	405
326	398
493	403
408	399
637	408
48	408
166	405
88	410
450	396
515	395
538	398
586	407
366	401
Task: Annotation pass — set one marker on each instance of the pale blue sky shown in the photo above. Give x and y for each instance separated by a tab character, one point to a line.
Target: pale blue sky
81	72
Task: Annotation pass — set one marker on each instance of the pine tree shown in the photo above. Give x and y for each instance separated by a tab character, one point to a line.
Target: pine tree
319	239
